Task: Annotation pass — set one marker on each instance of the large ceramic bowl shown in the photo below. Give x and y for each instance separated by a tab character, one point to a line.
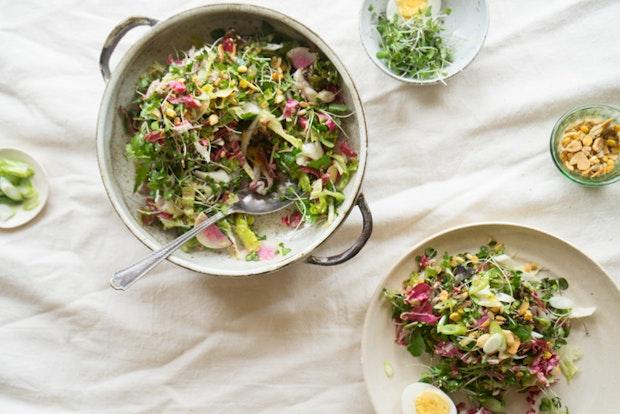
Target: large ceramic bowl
180	33
465	31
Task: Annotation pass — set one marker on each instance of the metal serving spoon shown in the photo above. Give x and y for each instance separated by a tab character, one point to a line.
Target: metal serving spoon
249	202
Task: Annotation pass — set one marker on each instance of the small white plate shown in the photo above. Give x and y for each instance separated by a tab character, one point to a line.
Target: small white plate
594	388
465	31
39	181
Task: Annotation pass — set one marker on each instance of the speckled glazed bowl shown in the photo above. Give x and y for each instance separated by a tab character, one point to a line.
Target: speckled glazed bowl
180	33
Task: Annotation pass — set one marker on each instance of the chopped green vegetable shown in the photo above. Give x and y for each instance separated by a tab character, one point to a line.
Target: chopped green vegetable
16	188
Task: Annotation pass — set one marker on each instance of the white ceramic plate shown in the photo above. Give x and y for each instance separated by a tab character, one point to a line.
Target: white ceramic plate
39	181
465	31
594	389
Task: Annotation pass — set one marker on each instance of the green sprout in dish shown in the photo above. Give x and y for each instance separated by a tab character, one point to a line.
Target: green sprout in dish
413	48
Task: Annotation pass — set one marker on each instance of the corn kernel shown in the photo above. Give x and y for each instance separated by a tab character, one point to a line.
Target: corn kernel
443	296
277	76
213	119
243	83
611	143
170	113
584	128
547	355
472	258
242	69
455	316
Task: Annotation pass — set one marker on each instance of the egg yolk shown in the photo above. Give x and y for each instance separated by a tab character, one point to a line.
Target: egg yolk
407	8
429	402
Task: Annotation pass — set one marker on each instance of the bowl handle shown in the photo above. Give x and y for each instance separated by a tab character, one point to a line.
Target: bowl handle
357	246
114	37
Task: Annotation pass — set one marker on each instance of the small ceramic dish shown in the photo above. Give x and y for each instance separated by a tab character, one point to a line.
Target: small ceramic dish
465	31
39	181
576	114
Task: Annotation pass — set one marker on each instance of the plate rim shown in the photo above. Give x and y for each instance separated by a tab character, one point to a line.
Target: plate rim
421	243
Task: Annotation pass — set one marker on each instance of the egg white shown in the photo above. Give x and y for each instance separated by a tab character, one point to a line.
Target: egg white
411	392
392	8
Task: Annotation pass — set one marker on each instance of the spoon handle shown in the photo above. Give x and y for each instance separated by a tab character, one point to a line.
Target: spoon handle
123	279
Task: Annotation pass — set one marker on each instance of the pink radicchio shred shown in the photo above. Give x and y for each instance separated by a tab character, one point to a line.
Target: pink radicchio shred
328	122
292	220
218	155
228	44
172	60
165	215
423	313
419	293
155	137
177	87
301	57
425	261
346	150
266	252
289	108
402	335
303	122
447	349
189	101
310	170
325	178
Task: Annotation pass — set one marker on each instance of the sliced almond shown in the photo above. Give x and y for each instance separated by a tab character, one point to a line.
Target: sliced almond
587	140
598	144
573	146
581	161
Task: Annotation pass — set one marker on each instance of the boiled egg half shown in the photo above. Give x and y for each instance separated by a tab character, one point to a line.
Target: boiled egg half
422	398
408	8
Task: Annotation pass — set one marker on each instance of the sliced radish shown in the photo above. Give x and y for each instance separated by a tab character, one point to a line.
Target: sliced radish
212	237
301	57
560	302
577	313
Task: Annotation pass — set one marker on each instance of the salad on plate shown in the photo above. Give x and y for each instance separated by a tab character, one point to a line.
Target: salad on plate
491	325
241	112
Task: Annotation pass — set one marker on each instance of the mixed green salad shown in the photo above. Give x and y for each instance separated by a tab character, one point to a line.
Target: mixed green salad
490	324
242	112
16	188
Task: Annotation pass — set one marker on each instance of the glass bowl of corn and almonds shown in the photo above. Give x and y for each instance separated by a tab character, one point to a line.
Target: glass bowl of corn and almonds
585	144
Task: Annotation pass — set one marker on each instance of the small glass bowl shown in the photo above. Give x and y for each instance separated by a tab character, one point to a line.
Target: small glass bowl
586	111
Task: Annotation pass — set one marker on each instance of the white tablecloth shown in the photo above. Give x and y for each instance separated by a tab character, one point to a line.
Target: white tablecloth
475	150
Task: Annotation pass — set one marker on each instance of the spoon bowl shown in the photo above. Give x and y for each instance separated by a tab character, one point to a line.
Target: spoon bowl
249	202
